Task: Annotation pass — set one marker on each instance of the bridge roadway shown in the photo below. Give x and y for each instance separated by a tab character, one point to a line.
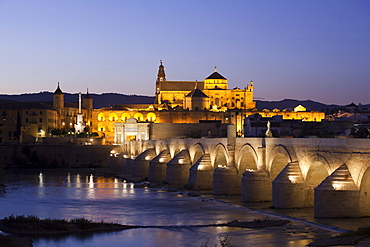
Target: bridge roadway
331	175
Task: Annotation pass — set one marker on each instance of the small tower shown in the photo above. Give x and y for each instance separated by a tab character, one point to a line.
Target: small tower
196	100
87	102
79	126
161	76
58	105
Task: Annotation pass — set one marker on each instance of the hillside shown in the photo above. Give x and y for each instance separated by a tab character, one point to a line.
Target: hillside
109	99
100	100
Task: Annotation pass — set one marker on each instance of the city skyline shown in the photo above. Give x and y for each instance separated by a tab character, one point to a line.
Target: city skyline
299	50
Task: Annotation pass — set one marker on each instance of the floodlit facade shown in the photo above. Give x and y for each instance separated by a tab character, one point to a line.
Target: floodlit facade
193	102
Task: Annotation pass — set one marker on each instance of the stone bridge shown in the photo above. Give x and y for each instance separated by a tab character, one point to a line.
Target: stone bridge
331	175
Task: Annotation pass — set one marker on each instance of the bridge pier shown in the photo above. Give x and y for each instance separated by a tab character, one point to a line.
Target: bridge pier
157	167
288	188
177	172
256	186
140	166
226	181
127	166
115	164
201	174
337	196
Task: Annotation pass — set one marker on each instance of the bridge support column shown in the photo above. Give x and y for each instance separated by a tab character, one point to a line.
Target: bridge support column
288	188
226	181
261	163
140	166
127	166
201	174
256	186
337	196
177	172
157	167
115	164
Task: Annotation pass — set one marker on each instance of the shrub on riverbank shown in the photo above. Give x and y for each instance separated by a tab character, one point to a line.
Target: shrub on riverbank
31	225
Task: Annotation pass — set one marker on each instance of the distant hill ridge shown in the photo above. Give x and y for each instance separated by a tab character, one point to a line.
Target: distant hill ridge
110	99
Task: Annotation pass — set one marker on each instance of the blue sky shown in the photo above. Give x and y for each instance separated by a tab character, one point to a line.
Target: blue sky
306	49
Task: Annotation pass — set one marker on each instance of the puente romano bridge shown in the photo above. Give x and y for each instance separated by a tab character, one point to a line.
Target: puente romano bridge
331	175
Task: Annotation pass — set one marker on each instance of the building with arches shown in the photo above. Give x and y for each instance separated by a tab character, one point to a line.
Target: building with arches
209	100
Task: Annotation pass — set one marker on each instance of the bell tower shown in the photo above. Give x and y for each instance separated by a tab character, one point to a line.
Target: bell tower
161	76
58	105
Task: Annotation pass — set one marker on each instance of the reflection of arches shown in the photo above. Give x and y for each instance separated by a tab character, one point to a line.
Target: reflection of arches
199	152
151	117
247	160
101	127
280	159
220	156
317	172
139	116
101	116
125	116
113	116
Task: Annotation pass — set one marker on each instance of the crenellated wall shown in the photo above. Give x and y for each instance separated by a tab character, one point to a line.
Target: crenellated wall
290	172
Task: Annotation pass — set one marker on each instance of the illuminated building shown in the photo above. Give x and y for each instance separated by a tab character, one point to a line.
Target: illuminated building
29	121
192	102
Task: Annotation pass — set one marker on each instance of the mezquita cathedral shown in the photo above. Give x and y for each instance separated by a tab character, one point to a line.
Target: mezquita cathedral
205	101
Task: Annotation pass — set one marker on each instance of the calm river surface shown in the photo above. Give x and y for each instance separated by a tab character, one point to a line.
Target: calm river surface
63	194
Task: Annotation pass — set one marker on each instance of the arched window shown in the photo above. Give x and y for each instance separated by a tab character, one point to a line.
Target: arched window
125	116
138	116
101	116
151	117
113	116
101	127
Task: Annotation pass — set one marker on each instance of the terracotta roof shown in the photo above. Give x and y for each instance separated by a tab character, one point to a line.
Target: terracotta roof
216	75
180	85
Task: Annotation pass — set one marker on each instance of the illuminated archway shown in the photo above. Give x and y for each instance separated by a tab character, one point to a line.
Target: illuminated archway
317	172
247	160
139	116
151	117
101	116
101	127
280	159
199	152
111	127
125	116
365	190
220	159
113	116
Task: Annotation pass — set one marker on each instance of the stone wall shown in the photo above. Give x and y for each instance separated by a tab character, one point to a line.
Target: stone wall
182	130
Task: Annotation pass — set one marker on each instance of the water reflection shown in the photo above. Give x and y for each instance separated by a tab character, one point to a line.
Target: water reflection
41	180
74	195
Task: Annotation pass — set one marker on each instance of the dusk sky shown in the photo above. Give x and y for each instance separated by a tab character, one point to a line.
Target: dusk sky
296	49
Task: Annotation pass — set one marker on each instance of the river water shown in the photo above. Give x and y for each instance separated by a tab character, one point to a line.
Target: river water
63	194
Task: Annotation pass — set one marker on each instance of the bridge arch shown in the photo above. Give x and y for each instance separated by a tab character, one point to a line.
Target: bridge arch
220	155
197	153
364	182
247	159
280	157
317	171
